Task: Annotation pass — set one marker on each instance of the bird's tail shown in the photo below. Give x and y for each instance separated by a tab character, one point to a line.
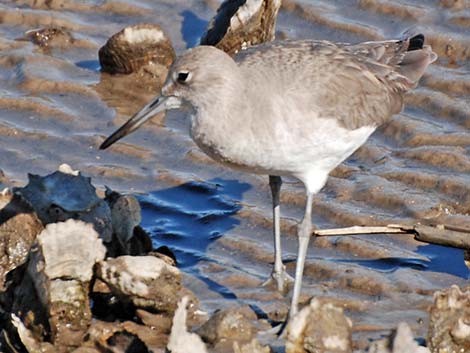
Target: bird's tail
408	57
416	58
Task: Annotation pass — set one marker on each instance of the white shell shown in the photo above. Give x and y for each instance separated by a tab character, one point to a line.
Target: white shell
70	250
182	341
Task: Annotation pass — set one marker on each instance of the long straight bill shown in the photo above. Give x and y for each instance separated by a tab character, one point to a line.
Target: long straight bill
154	107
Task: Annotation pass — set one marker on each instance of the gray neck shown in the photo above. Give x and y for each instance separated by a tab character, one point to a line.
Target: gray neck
220	109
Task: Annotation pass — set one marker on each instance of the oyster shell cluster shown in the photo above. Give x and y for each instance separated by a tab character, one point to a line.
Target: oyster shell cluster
135	47
56	233
449	326
242	23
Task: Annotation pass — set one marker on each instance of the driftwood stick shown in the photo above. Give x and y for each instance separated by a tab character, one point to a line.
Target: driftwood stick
441	235
392	228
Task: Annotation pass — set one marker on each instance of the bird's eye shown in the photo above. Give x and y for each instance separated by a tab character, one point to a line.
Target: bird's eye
183	77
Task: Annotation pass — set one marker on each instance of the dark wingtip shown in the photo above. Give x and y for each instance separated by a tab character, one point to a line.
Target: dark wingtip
416	42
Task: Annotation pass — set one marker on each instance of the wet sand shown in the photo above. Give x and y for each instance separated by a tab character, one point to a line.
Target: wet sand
56	107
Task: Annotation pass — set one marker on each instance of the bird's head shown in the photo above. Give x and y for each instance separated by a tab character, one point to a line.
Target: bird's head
196	78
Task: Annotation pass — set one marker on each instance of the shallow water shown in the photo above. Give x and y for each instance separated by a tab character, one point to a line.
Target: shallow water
56	107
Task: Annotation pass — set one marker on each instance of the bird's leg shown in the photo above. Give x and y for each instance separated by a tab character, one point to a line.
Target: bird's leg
303	232
279	274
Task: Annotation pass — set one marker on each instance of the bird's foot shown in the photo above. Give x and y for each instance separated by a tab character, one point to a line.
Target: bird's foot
280	280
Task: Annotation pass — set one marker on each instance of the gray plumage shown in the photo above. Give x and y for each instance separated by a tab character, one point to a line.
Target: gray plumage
296	108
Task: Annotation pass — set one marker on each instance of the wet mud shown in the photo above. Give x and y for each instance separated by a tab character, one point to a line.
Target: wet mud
56	107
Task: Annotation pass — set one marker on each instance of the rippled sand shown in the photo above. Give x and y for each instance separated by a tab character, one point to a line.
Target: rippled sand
56	107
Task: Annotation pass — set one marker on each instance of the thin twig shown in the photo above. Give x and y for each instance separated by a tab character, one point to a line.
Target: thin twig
361	230
446	235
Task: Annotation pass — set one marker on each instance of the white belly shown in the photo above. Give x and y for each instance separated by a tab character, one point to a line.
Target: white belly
308	152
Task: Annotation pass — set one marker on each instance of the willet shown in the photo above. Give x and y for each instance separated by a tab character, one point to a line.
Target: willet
293	108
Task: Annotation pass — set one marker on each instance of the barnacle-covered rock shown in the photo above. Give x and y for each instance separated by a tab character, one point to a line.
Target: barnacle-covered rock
49	37
19	226
241	23
449	321
54	290
234	324
67	194
146	281
135	47
320	327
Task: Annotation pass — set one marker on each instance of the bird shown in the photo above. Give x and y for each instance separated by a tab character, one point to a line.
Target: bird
293	108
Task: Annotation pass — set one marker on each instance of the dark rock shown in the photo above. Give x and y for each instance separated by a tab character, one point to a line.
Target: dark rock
124	341
66	194
125	217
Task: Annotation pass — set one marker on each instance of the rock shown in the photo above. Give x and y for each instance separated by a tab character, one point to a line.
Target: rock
124	341
182	341
166	254
135	47
141	243
124	336
400	341
125	216
229	325
319	327
161	322
27	338
449	322
86	350
66	194
107	306
49	37
253	347
158	322
19	226
146	281
61	267
52	299
242	23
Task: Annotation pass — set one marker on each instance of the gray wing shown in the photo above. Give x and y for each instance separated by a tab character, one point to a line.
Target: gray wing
357	85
